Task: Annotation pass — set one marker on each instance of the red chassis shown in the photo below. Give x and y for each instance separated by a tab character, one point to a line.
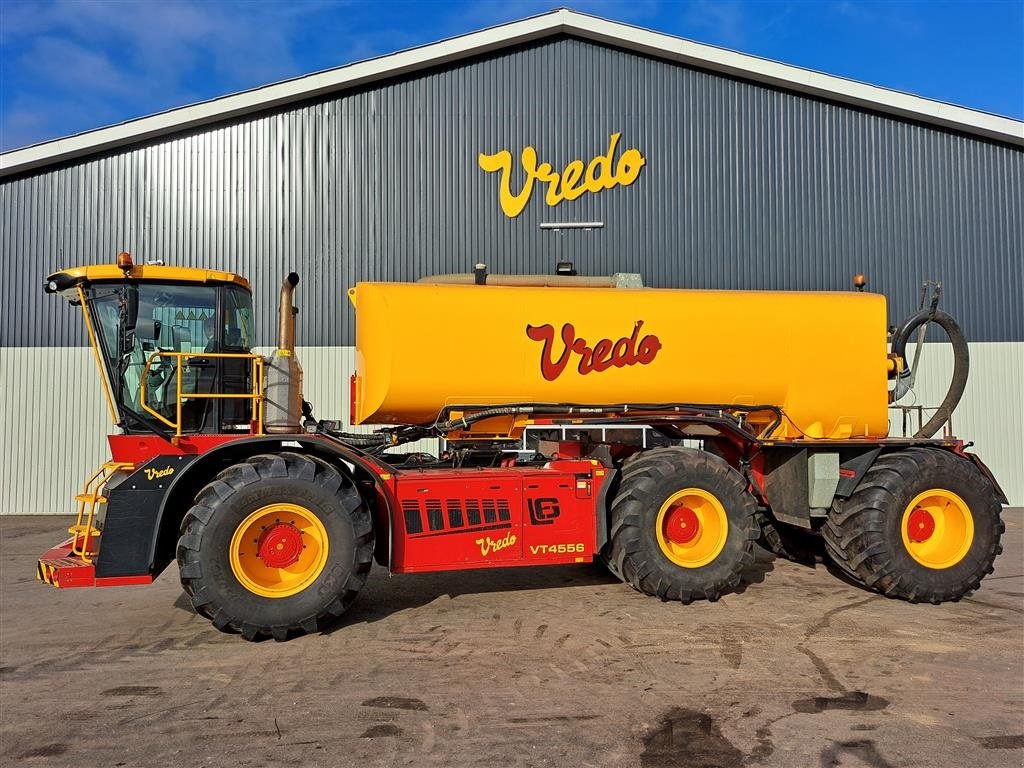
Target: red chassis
492	517
434	519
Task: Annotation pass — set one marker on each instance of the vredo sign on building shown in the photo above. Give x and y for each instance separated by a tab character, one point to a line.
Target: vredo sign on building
604	171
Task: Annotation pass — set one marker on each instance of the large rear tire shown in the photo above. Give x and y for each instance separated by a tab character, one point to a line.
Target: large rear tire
923	525
683	525
275	545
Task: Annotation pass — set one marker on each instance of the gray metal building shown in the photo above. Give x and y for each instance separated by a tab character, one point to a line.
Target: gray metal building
738	173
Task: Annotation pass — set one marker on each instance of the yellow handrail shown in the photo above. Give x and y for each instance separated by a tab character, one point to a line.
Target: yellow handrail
83	533
255	395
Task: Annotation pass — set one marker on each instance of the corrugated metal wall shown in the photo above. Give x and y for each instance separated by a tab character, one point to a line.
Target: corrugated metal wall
53	424
744	187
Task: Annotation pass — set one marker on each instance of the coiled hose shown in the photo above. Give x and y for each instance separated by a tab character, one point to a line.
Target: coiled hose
961	362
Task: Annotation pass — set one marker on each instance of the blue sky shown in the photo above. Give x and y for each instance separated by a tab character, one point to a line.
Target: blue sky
67	66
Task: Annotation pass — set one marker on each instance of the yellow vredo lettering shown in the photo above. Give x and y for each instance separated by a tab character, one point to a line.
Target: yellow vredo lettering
153	474
599	172
501	162
570	177
596	176
488	545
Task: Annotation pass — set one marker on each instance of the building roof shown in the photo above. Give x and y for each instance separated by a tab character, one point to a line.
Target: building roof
562	21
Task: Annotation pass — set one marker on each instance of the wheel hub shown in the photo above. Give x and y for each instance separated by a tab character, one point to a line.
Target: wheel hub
280	545
681	525
279	550
937	528
920	525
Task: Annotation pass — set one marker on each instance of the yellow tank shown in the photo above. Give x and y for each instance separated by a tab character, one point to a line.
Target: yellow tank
820	357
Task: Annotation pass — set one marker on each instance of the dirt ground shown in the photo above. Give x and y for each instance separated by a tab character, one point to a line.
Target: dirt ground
558	666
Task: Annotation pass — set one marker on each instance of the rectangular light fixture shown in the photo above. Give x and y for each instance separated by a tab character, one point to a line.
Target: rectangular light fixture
572	225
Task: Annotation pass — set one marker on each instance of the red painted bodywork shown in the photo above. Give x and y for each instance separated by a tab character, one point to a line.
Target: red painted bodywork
757	476
449	519
138	449
440	519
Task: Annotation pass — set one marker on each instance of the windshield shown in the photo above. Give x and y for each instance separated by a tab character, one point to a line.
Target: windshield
135	321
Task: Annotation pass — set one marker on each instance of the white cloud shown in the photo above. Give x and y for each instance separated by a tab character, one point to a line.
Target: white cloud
133	58
74	66
59	61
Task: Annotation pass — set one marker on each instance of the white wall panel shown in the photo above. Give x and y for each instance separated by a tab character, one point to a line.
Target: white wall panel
991	414
53	424
53	420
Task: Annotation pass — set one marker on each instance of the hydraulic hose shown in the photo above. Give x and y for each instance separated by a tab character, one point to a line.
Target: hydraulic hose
358	439
961	362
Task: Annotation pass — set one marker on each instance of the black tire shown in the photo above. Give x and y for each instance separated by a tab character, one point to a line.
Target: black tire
628	467
788	541
863	534
633	553
220	507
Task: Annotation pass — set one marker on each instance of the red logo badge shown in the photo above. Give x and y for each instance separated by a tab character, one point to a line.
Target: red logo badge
628	350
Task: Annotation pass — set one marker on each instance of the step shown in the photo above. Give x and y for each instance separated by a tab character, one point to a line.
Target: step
60	567
91	498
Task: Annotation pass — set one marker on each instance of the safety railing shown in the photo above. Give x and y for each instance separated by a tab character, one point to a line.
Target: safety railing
254	395
911	413
83	531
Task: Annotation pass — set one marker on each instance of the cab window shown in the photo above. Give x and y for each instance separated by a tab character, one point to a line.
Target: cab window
137	321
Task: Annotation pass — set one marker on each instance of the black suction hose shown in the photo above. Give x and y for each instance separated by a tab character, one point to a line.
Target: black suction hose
961	362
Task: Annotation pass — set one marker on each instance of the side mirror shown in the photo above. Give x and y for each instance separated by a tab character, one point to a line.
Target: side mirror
147	329
180	336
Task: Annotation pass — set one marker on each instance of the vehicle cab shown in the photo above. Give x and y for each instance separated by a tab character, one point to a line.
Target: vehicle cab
173	344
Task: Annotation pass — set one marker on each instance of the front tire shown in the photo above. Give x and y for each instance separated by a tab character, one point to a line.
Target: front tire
923	525
275	545
683	525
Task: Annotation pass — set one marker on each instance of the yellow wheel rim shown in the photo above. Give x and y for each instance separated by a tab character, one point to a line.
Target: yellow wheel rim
937	528
692	527
278	550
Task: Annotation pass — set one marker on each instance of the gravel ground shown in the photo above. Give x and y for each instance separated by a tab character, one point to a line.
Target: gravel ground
559	666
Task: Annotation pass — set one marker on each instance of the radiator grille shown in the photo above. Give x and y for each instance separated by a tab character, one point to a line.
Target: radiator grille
438	516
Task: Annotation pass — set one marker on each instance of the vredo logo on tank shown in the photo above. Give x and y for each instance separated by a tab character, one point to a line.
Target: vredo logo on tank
636	349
